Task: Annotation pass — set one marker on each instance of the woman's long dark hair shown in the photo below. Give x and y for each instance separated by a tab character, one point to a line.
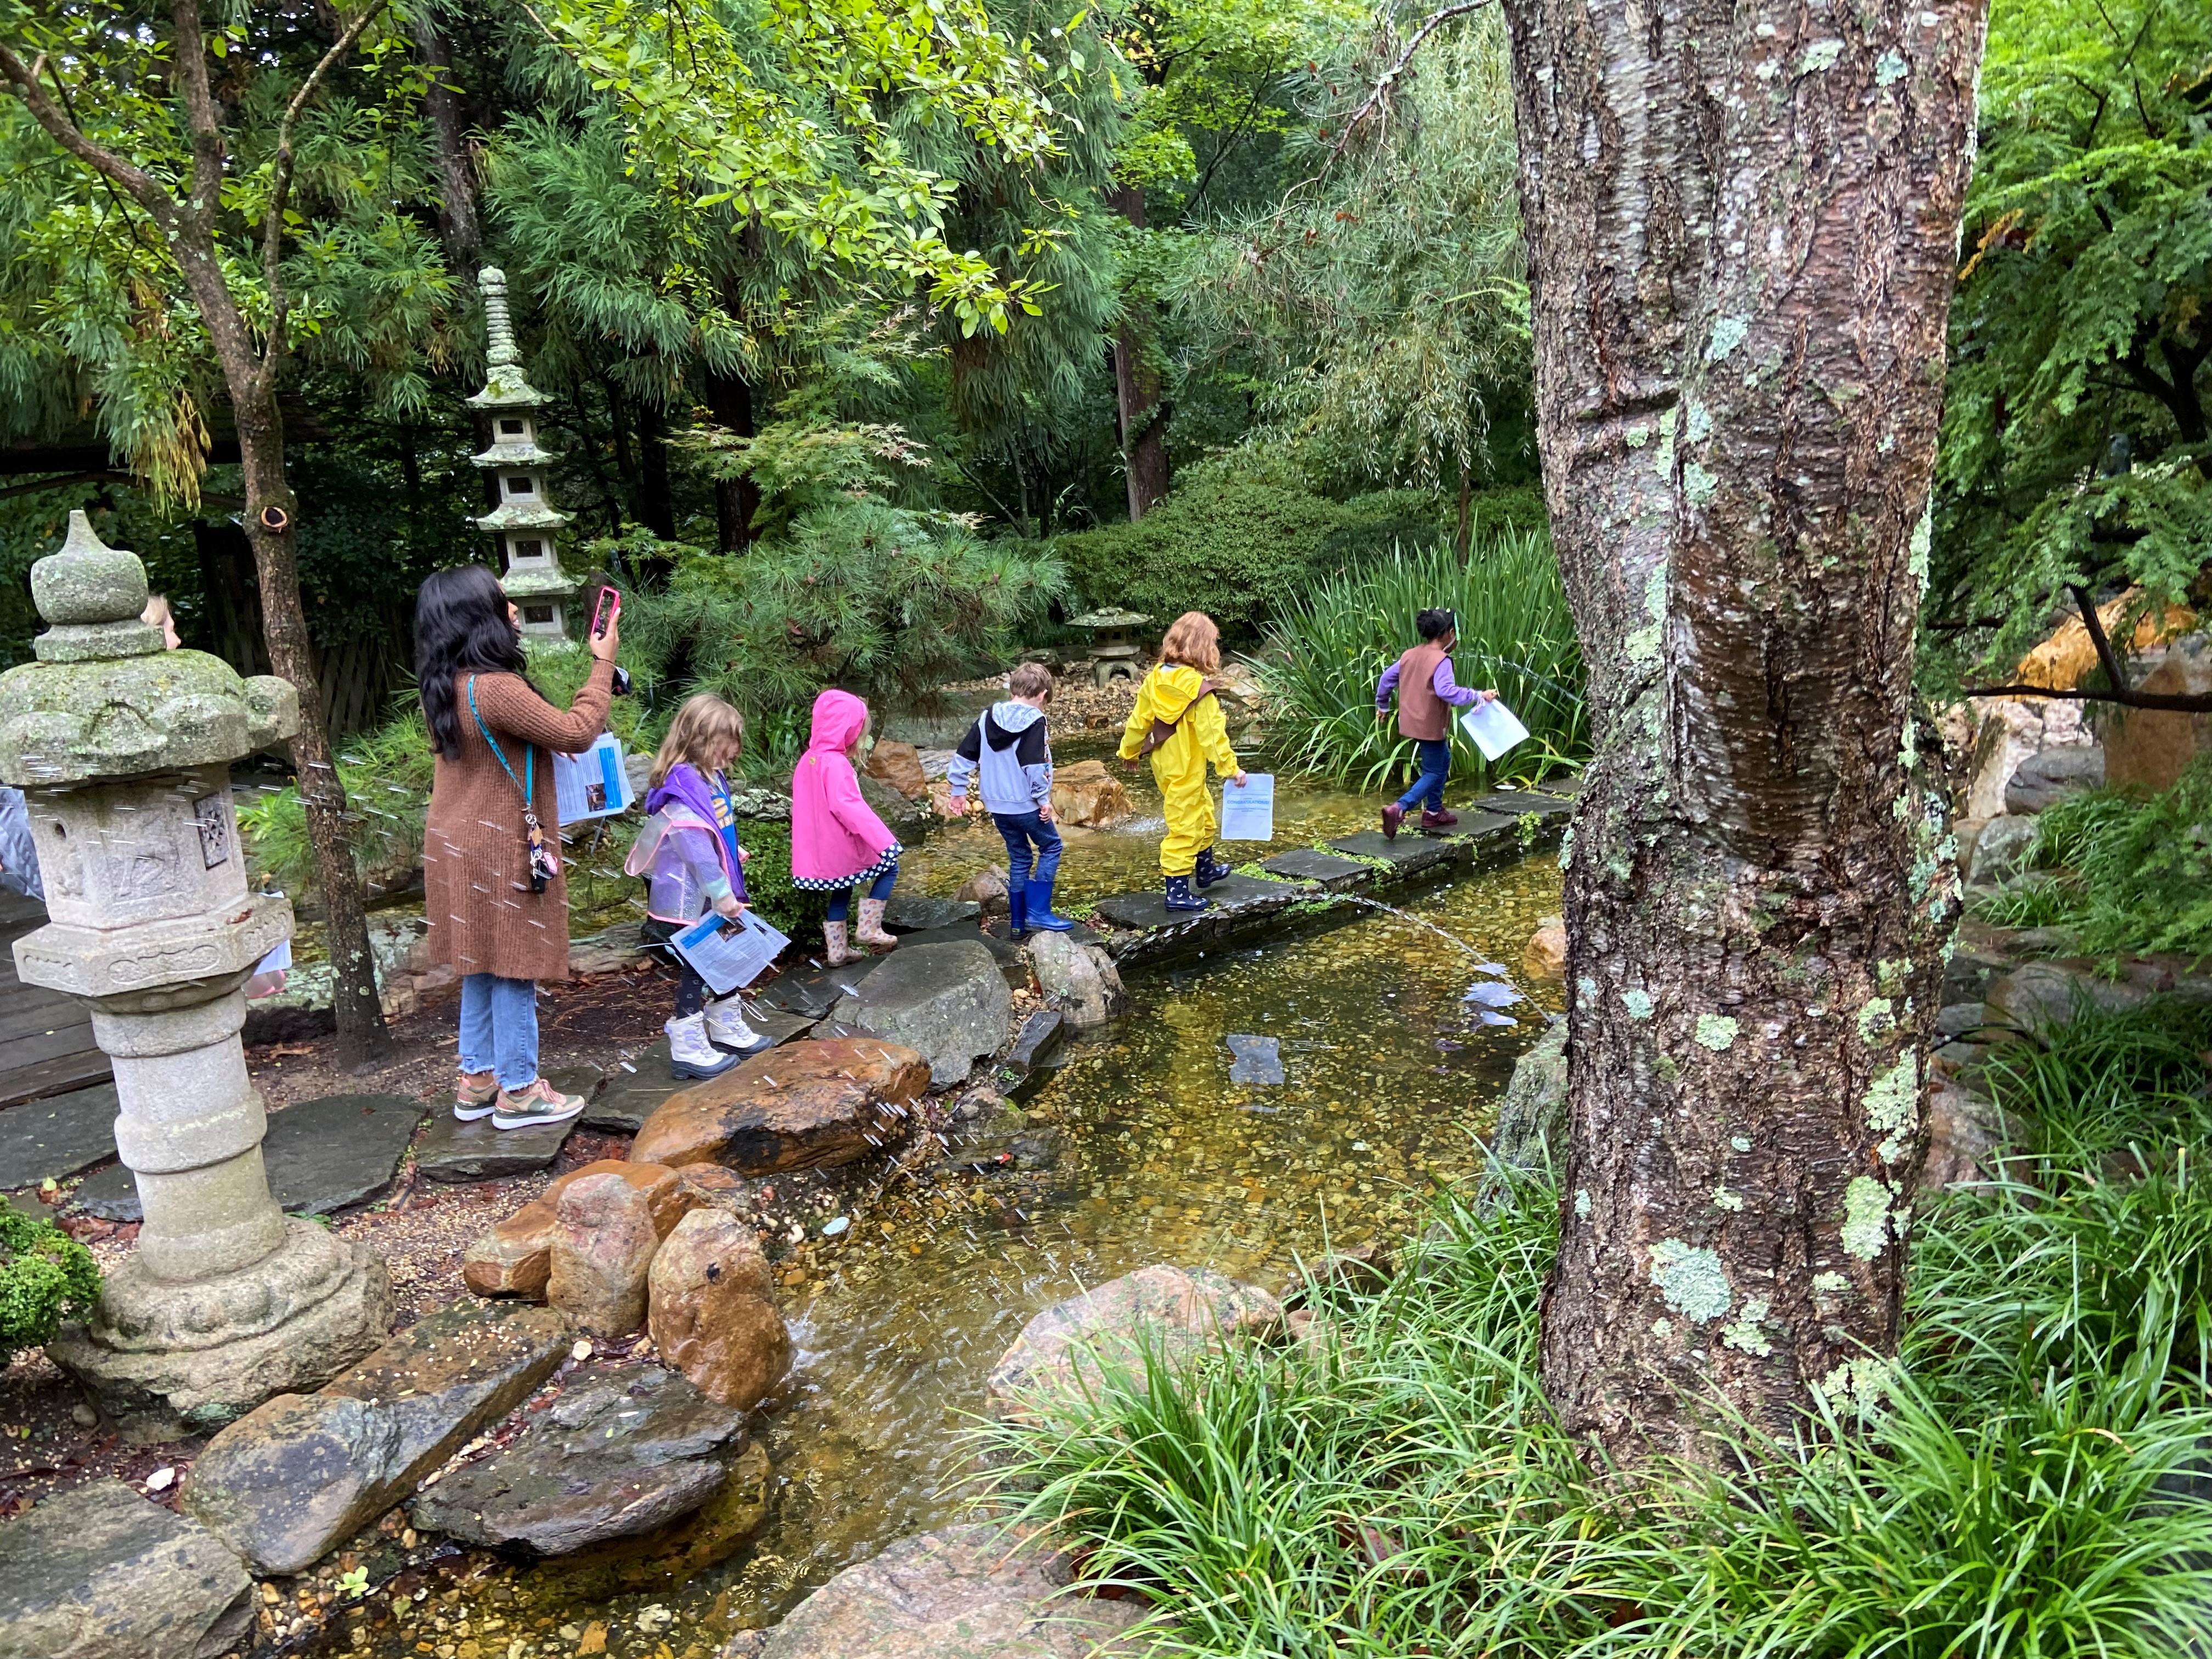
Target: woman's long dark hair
461	627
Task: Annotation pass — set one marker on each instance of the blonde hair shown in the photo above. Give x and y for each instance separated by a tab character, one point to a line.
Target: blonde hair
1192	642
704	727
157	609
1030	680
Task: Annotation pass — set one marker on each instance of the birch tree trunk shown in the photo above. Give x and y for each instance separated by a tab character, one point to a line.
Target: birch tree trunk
1742	222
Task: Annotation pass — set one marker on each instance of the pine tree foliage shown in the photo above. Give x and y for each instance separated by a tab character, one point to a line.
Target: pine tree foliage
1382	304
2077	447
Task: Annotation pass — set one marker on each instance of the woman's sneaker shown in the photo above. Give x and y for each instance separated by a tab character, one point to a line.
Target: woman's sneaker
540	1102
472	1100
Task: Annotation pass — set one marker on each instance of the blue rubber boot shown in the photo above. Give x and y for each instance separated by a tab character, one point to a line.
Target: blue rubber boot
1180	897
1211	870
1017	911
1040	905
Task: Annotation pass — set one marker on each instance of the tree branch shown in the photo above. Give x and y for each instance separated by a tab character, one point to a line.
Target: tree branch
203	196
280	188
2173	702
1389	78
23	80
2095	624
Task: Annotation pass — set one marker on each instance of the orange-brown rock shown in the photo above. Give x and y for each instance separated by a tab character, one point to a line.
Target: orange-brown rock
803	1106
1087	794
2061	660
603	1242
1546	956
899	764
515	1256
713	1313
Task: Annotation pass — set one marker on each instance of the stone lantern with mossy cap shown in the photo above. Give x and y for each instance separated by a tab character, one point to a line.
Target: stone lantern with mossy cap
123	750
524	524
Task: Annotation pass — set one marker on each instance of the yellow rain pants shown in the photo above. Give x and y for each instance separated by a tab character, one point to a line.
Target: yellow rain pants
1170	693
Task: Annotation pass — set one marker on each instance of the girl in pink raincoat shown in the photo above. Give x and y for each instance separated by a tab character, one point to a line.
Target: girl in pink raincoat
837	842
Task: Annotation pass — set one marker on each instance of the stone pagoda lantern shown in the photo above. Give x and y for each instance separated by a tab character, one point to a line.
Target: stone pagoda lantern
123	750
524	525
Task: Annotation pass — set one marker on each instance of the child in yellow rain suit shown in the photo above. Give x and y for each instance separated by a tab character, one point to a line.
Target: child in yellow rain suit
1177	722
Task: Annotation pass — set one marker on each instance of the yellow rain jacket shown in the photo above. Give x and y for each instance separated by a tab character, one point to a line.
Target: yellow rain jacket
1169	694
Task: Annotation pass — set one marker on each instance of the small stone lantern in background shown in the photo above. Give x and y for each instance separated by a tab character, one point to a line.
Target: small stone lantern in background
124	751
524	525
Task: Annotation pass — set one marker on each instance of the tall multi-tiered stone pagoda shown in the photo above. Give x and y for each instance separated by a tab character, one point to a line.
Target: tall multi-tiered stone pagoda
524	525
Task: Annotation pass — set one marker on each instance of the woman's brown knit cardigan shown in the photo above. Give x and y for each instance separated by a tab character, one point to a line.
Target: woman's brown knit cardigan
483	919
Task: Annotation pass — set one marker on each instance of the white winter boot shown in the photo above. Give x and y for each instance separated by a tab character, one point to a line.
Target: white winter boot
690	1056
726	1028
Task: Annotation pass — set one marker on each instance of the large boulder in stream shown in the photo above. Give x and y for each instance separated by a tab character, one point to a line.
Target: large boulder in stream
967	1592
714	1315
1173	1312
803	1106
948	1002
1532	1118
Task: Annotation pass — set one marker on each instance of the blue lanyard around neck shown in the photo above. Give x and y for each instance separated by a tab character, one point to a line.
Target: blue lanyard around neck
529	753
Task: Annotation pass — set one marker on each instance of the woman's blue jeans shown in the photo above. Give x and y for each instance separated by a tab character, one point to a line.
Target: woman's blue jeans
841	906
499	1029
1019	830
1436	767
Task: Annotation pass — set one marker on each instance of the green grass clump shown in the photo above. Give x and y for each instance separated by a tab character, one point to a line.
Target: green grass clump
1331	643
46	1276
2128	875
2017	1484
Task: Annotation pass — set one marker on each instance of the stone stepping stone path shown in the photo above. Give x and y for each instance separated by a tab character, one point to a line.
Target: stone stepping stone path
323	1155
51	1139
299	1475
813	992
628	1098
453	1151
623	1450
1412	854
98	1569
912	913
1513	803
1146	911
1013	965
1327	869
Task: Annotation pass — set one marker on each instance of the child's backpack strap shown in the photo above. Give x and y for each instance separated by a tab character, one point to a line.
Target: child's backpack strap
1163	729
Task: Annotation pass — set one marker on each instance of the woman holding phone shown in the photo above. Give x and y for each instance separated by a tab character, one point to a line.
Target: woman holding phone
495	896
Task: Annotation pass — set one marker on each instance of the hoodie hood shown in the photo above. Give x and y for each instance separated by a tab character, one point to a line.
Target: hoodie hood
839	719
1012	719
1174	689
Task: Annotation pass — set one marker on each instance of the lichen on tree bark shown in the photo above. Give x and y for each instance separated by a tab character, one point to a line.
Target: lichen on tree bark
1742	222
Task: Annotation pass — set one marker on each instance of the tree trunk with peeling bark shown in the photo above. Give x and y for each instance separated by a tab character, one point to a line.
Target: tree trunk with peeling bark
1742	224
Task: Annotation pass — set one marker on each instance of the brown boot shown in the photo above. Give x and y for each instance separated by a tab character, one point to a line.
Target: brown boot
1393	815
1439	820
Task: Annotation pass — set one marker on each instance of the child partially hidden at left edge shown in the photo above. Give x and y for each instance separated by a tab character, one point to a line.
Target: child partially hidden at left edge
688	851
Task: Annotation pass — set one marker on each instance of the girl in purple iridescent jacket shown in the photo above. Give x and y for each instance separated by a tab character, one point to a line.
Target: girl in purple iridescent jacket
688	853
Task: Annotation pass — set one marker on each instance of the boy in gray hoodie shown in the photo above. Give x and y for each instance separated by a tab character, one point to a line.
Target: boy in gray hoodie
1008	748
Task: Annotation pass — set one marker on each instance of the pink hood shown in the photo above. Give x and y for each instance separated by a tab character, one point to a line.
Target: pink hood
833	833
839	719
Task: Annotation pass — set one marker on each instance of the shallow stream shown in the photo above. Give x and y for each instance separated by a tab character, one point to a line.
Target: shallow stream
1139	1150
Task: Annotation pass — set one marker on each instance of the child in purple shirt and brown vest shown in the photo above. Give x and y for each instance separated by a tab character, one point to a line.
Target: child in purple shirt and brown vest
1427	695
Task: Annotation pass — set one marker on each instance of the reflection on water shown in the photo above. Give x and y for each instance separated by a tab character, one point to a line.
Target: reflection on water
1139	1150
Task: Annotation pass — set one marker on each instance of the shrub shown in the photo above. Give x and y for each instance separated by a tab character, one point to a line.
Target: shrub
883	602
1236	548
46	1276
1333	641
768	879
